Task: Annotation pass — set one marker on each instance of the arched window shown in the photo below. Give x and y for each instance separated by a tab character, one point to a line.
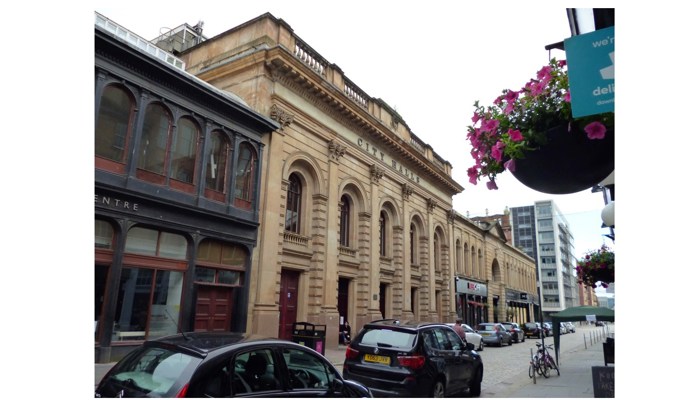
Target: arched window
382	233
216	166
345	221
245	176
154	139
113	127
412	238
293	214
436	252
183	151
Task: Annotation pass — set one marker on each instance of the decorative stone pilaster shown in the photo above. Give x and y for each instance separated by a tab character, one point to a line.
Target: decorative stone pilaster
431	205
451	215
335	150
406	191
376	173
281	116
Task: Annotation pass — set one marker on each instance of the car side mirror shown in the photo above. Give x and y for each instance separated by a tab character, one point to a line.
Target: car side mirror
470	346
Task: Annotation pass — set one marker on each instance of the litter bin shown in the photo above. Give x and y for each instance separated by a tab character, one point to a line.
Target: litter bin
310	335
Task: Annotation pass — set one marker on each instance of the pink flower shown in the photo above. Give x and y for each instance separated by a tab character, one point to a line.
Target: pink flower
510	165
489	125
473	173
491	185
515	135
475	118
497	150
595	130
567	97
544	72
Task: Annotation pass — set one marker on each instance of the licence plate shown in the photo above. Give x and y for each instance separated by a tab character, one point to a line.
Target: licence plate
485	334
377	359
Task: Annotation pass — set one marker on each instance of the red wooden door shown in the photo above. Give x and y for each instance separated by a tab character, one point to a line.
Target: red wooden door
213	309
289	288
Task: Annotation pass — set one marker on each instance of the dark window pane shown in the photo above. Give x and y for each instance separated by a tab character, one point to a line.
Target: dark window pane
154	139
112	127
293	214
183	150
245	174
216	162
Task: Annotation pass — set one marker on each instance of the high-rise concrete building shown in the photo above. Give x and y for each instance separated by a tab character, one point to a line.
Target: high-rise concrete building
542	232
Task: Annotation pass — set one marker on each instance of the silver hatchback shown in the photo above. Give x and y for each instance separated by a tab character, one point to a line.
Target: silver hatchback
494	334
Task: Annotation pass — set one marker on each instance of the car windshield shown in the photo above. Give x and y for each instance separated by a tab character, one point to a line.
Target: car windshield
151	372
388	338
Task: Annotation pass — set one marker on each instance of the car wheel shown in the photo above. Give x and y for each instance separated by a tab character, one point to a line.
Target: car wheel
475	385
438	389
510	342
481	345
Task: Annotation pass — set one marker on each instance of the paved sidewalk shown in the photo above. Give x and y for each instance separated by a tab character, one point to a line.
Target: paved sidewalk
576	379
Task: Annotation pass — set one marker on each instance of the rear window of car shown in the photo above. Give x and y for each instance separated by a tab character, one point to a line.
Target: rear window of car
487	327
388	338
153	371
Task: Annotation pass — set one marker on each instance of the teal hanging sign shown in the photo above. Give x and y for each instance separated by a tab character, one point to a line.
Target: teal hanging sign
591	64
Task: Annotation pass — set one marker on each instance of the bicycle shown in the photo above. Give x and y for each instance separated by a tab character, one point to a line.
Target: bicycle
537	365
545	360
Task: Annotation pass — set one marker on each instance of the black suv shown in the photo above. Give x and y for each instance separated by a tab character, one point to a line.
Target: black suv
398	359
532	329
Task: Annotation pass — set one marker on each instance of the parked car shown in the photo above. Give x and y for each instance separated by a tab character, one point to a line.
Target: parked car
563	328
397	359
515	331
494	334
571	326
532	329
225	364
472	337
547	328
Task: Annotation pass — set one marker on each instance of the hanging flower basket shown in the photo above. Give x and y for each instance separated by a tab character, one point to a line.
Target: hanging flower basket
569	163
532	133
597	266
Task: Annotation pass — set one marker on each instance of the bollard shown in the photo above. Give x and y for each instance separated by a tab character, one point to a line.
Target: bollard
584	341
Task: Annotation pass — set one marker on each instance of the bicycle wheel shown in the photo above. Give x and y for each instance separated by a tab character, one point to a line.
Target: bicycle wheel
554	365
544	367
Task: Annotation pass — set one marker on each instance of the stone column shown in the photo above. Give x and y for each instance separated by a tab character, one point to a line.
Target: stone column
329	308
407	191
376	173
263	316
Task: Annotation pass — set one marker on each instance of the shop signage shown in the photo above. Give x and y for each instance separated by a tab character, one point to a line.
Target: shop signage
465	286
114	202
590	60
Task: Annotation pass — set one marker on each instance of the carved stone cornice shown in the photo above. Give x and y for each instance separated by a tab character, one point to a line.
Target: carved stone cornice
431	205
336	150
406	191
376	173
281	116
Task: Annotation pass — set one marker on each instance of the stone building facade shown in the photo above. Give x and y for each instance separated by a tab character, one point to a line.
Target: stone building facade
356	218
